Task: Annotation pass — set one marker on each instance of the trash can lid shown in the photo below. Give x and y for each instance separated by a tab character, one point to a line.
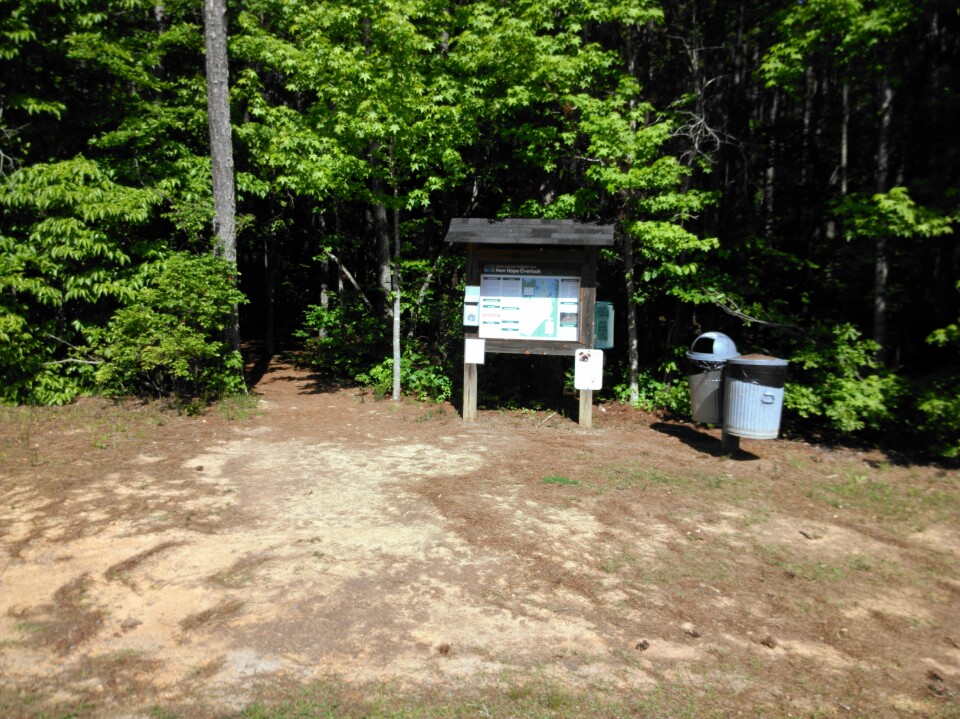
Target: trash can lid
712	347
756	359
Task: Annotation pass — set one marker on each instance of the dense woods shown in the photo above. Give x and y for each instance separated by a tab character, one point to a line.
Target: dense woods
785	172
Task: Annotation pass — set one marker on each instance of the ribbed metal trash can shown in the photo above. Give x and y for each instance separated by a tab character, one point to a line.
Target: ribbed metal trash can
753	396
705	361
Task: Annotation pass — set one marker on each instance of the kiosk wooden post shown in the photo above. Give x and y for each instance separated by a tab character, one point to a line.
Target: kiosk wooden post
469	392
585	418
558	253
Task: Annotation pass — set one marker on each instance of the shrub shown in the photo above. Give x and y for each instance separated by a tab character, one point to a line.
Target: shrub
31	372
938	402
657	395
839	382
419	377
343	339
170	339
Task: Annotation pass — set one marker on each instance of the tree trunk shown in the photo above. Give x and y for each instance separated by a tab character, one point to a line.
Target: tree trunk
844	137
380	225
633	344
769	193
881	268
396	300
269	282
221	145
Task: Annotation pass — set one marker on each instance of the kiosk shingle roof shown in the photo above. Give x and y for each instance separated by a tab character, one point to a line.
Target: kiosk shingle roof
528	232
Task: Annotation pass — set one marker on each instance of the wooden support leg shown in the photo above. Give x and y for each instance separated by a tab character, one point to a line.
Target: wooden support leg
729	444
469	393
586	408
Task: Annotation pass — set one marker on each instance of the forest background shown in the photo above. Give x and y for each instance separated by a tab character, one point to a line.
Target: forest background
785	172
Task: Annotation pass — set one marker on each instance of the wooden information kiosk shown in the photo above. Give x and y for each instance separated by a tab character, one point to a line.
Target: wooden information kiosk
531	290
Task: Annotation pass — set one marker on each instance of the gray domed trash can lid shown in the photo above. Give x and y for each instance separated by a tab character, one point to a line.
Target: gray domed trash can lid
705	362
753	396
712	347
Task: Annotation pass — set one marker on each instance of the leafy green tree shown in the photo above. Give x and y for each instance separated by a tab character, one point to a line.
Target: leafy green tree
627	140
382	121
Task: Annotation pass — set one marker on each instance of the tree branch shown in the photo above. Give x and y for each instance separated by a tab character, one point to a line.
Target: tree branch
350	277
732	309
422	295
73	361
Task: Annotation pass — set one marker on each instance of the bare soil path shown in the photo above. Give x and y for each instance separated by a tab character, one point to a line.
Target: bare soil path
201	563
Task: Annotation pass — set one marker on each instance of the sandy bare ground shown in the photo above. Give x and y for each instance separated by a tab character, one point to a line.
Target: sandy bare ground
204	563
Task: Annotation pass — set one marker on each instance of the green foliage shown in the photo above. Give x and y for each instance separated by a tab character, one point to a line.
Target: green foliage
838	381
657	395
67	251
938	405
847	33
32	373
420	377
945	336
341	339
71	232
628	141
169	339
892	214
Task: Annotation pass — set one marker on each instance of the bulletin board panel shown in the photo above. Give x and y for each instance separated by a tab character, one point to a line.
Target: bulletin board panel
533	301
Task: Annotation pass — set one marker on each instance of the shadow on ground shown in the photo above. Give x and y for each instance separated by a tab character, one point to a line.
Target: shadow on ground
700	441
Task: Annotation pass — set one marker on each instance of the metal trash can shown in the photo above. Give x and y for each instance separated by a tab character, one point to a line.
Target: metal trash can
753	396
705	361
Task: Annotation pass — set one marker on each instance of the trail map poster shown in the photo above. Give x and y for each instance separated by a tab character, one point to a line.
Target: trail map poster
529	302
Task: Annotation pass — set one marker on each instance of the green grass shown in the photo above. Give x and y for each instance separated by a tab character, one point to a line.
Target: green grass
522	700
238	407
564	481
781	557
891	500
510	699
625	477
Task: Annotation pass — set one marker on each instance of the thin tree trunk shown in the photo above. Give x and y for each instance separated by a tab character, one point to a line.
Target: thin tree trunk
221	145
881	269
396	300
380	225
808	101
844	136
633	344
268	278
771	172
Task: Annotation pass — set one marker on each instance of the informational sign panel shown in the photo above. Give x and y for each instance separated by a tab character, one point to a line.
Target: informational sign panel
588	369
529	302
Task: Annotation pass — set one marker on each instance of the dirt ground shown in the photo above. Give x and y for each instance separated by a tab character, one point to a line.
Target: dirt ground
151	562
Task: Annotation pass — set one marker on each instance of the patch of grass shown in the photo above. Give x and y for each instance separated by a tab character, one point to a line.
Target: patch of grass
437	412
564	481
714	481
90	422
756	515
238	407
624	477
715	698
158	712
902	499
780	556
